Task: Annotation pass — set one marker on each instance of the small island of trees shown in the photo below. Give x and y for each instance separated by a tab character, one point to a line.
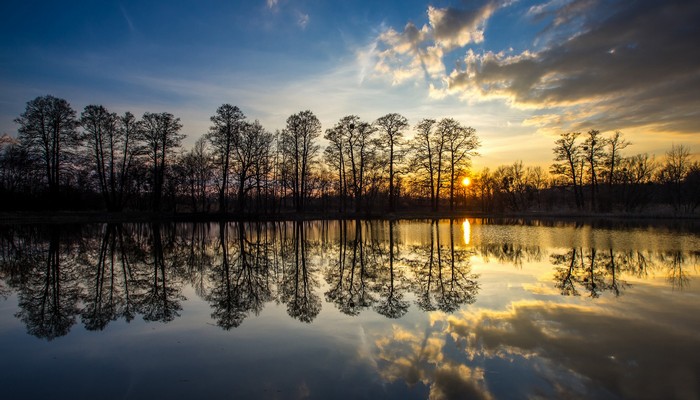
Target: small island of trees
100	160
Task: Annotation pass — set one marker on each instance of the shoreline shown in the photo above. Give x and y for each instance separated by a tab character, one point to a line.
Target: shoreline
83	217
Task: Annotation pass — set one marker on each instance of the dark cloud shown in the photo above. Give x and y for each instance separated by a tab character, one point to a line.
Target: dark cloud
453	27
636	63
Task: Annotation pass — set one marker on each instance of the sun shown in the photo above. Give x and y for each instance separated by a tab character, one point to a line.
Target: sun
466	181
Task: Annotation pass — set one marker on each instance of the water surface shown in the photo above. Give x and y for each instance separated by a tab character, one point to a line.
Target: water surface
350	309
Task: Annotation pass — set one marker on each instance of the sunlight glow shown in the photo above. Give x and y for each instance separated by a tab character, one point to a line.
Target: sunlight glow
466	181
467	228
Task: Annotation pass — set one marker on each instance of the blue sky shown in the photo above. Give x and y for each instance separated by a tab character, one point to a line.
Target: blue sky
520	72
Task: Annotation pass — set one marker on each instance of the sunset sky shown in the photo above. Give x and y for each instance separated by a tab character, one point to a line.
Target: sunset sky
520	72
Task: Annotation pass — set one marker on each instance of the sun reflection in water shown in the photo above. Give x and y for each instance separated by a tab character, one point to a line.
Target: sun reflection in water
466	227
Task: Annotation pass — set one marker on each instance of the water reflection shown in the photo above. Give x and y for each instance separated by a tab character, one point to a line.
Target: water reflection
102	273
613	315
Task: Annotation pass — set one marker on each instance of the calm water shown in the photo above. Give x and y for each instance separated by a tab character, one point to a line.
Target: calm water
413	309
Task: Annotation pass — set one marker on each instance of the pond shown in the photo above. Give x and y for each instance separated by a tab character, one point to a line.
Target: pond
446	309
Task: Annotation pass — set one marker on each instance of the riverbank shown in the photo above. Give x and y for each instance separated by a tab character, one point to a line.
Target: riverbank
80	217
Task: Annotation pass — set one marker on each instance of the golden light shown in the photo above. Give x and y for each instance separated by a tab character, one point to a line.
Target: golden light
467	229
466	181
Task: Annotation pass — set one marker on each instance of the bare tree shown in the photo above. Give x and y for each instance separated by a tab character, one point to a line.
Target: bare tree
334	155
428	148
250	150
357	149
196	170
160	136
227	124
674	171
567	155
615	145
111	143
461	143
48	130
594	154
299	147
391	127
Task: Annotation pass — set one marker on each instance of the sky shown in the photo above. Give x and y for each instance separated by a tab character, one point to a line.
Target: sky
519	72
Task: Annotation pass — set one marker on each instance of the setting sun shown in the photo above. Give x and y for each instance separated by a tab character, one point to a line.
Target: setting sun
466	181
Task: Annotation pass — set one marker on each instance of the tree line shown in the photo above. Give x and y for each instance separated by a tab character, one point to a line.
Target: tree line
102	160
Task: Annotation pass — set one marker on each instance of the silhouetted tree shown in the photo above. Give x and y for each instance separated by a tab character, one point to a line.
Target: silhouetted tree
673	172
567	155
228	122
391	128
251	148
594	154
160	136
461	143
428	152
111	144
298	144
195	173
48	130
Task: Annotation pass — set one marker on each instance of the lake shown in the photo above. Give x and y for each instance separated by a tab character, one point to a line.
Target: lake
447	309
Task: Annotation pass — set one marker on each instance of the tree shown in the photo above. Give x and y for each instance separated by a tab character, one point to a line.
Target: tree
673	173
160	136
567	155
615	145
251	148
391	127
48	130
594	153
111	144
299	148
334	155
351	144
227	125
428	147
195	172
461	143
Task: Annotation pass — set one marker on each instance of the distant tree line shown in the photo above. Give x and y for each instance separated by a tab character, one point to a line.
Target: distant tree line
101	160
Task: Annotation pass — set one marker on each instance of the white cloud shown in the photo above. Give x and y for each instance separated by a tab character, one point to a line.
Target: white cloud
302	19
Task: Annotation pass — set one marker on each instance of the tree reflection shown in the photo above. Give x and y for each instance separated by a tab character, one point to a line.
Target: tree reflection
443	278
109	277
593	271
350	275
298	280
677	276
48	299
242	285
391	287
104	273
159	295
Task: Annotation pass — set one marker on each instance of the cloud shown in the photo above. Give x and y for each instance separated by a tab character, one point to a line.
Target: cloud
591	343
302	19
272	4
598	62
453	27
417	53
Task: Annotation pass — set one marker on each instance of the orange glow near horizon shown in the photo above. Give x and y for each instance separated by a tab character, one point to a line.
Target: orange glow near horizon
466	181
